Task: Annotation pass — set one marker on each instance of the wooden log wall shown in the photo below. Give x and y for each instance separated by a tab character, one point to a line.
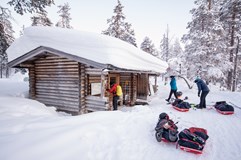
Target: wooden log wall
96	103
66	84
57	83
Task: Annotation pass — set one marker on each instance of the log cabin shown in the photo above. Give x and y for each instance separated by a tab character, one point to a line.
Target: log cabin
71	70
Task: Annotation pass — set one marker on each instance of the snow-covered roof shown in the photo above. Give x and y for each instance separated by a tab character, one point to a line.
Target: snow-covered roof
91	46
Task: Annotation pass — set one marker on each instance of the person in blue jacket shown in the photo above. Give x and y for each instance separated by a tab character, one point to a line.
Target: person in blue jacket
173	85
202	87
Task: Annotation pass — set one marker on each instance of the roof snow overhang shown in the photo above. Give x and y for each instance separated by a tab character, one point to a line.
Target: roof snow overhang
45	51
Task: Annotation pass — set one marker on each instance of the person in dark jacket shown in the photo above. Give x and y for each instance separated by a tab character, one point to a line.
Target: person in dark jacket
173	85
202	87
115	97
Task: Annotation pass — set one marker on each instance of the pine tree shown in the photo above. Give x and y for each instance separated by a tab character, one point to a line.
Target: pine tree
6	37
41	19
24	6
205	47
148	46
64	22
118	28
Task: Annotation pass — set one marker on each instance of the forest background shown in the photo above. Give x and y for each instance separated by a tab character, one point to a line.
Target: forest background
210	49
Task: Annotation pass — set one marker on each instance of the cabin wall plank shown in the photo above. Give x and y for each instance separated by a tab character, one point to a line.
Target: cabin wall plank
56	82
95	103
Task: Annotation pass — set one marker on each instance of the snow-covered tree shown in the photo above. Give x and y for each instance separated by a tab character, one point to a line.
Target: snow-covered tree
21	31
165	46
230	14
41	19
177	61
118	28
64	22
176	49
24	6
205	46
148	46
6	36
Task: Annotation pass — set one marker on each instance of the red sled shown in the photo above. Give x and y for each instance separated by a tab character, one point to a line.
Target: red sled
192	150
224	108
195	151
225	112
166	141
181	109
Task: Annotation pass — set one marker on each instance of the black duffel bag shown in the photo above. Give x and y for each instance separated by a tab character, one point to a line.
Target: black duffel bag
223	106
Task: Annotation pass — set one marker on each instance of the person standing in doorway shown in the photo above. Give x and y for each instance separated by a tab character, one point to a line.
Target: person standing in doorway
173	85
115	96
202	87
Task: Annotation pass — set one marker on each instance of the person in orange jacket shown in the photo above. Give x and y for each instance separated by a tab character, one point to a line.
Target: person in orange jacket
115	97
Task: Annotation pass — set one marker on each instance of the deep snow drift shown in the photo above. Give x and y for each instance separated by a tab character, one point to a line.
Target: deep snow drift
31	131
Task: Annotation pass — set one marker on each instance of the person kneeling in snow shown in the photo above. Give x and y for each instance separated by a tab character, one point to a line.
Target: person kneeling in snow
166	129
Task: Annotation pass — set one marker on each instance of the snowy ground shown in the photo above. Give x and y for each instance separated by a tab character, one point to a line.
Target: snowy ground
31	131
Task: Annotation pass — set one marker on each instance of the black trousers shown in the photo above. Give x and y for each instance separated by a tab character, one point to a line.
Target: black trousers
172	92
115	102
203	99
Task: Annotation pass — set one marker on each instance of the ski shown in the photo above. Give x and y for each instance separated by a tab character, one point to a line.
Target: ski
234	105
209	107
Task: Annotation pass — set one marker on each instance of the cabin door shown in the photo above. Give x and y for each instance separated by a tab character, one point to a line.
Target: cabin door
114	78
142	86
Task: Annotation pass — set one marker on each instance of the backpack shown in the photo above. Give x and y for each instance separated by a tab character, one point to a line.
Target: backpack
119	90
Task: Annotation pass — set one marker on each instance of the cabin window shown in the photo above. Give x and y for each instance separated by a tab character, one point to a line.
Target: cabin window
95	89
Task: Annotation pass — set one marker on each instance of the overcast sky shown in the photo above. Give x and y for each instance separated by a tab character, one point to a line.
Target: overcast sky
148	17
